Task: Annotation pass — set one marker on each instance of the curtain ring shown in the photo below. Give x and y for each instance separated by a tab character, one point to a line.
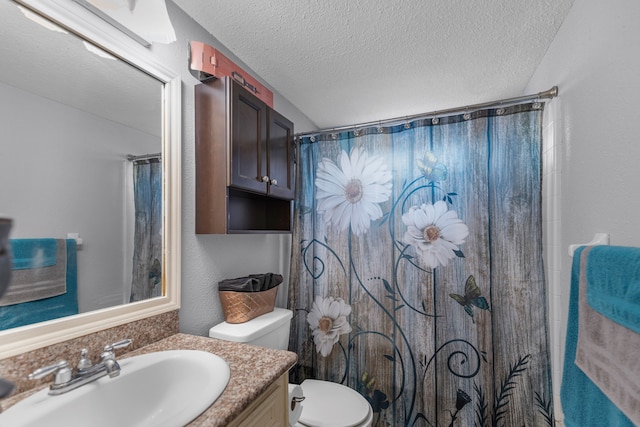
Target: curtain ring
537	104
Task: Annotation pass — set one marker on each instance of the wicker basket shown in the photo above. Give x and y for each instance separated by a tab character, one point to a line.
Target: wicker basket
240	307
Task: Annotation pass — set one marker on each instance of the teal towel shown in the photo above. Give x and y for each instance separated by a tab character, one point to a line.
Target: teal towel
613	274
33	253
27	313
583	404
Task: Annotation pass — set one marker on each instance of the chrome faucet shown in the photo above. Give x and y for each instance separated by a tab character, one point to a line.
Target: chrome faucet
86	372
6	388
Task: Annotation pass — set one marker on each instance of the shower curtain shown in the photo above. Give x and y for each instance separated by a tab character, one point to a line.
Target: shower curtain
146	279
416	273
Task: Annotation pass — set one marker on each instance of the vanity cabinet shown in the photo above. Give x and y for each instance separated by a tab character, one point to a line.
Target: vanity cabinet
244	162
269	409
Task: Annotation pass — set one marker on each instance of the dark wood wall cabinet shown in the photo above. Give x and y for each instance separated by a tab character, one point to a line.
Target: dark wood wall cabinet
244	162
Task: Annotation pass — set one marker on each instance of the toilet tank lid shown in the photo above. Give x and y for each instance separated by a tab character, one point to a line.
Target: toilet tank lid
254	328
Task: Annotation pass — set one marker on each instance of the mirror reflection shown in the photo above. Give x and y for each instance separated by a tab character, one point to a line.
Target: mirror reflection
80	173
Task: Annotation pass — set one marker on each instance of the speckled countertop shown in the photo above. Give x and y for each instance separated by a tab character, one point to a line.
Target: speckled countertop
253	369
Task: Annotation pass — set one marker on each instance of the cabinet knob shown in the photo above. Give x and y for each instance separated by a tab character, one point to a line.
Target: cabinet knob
273	182
265	178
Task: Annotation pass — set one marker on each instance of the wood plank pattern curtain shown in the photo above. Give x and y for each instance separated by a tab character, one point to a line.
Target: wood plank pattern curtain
417	275
146	279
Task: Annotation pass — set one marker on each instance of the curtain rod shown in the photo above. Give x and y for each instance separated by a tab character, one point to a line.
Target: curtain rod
547	94
132	158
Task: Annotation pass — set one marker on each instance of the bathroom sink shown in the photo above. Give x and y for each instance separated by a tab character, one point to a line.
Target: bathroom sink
166	388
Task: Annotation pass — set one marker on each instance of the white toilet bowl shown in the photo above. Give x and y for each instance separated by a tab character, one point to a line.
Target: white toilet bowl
326	404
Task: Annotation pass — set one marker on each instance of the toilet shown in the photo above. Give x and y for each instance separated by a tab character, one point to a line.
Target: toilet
347	407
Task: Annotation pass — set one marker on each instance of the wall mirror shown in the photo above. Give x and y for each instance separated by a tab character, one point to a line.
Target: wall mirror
78	98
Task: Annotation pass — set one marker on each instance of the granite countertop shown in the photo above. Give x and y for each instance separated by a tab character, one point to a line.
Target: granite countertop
252	368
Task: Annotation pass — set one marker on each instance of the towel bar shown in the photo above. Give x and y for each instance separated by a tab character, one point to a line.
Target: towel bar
76	237
598	239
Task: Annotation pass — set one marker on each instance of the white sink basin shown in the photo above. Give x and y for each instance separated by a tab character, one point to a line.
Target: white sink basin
166	388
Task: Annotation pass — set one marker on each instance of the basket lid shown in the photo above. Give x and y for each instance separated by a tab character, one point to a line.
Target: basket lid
254	328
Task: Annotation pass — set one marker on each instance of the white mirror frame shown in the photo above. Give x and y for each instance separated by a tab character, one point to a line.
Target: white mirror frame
82	22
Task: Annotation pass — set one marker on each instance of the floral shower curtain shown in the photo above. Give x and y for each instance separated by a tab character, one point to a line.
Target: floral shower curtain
146	279
417	274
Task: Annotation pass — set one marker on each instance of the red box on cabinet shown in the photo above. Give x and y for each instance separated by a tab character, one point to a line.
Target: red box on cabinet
209	62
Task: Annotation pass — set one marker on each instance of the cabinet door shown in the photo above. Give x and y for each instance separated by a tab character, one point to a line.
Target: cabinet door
269	409
248	140
280	157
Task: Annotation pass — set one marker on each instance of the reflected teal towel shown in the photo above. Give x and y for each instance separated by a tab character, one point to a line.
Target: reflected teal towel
613	274
33	253
50	308
583	404
37	280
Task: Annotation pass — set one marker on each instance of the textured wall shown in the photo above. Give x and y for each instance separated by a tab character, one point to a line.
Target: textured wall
593	61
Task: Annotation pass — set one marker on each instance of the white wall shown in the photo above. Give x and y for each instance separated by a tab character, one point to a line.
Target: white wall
207	259
42	157
594	61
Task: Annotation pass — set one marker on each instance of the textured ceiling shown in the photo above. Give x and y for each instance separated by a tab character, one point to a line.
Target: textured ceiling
352	61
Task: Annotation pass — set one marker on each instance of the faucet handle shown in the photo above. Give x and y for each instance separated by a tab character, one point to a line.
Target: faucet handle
61	369
84	363
117	345
108	357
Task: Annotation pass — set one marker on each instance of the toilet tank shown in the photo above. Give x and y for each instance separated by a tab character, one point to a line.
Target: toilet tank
269	330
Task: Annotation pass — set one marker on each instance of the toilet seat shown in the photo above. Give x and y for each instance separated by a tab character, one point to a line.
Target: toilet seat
329	404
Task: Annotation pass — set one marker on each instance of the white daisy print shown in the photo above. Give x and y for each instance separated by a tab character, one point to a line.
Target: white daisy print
328	320
435	231
349	194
